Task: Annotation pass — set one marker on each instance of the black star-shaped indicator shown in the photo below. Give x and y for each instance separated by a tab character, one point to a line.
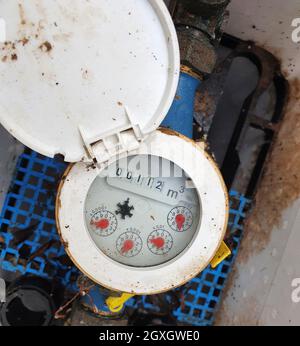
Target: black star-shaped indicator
124	209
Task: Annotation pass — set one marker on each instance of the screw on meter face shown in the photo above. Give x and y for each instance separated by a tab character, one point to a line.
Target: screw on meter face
104	223
146	218
129	244
180	219
160	242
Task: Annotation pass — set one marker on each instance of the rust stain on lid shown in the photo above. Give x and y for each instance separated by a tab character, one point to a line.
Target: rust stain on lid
46	47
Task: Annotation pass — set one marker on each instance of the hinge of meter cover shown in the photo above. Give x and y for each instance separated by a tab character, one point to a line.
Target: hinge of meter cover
117	142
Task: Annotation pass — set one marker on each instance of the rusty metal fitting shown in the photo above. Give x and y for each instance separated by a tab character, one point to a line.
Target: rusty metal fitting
199	26
196	50
205	15
205	8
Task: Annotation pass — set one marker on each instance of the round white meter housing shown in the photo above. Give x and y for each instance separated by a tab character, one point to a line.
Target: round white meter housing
148	221
141	210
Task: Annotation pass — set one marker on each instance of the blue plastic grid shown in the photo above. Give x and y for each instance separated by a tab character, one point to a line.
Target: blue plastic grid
27	222
29	208
203	294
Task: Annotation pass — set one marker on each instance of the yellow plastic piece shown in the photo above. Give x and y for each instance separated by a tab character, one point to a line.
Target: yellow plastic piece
116	304
221	255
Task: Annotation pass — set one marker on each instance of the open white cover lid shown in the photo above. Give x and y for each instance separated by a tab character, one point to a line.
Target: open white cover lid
97	66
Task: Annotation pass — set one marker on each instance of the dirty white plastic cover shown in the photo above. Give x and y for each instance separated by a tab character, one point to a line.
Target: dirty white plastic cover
97	65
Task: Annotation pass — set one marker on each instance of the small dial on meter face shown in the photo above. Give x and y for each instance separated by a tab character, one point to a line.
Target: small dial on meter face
180	219
104	223
160	242
129	244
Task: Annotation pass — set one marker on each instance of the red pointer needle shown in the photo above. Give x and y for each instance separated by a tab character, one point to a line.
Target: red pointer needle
127	246
158	242
103	223
180	220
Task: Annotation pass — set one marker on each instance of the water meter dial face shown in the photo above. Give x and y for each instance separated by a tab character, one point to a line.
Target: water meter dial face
142	211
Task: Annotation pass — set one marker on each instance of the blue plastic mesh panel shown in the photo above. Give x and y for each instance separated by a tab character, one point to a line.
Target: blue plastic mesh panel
202	295
27	222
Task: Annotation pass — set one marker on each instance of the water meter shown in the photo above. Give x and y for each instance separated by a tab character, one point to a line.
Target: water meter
141	209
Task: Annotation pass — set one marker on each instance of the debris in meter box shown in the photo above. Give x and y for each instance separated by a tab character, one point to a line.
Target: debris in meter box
40	251
20	235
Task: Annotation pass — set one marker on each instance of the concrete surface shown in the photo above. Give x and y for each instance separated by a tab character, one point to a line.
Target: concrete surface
260	290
